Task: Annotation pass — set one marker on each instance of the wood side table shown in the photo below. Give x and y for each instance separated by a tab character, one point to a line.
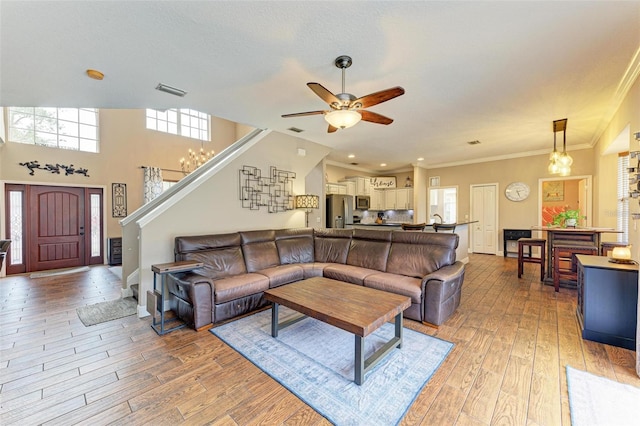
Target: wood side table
163	269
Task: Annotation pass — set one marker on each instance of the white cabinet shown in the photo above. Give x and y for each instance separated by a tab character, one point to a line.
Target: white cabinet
377	199
404	198
350	185
397	199
389	199
336	188
362	186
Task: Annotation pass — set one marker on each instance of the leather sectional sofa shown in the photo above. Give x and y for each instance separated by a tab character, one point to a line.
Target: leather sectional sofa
240	266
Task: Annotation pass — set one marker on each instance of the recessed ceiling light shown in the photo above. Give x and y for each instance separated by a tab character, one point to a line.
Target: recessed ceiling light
476	142
351	156
171	90
383	164
95	74
420	158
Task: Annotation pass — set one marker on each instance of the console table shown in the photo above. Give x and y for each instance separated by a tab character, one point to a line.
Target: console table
163	269
607	301
514	235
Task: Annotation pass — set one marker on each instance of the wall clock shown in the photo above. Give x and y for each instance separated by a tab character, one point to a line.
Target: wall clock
517	191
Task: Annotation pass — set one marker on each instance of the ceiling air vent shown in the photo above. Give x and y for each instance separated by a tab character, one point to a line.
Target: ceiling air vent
171	90
476	142
295	129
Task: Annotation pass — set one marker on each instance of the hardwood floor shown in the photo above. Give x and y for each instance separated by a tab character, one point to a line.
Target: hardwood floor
513	340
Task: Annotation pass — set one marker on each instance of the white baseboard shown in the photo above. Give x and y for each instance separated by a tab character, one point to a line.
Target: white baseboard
133	278
126	292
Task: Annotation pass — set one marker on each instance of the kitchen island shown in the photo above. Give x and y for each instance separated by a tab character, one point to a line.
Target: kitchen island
461	228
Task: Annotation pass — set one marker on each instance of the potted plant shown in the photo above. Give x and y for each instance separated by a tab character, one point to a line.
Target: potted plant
568	217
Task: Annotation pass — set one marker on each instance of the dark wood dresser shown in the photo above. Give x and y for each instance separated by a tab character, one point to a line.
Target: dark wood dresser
115	251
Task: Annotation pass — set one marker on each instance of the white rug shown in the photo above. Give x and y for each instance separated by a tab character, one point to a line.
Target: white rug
55	272
595	400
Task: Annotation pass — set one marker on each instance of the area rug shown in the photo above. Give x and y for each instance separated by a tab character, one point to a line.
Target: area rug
315	362
595	400
54	272
107	311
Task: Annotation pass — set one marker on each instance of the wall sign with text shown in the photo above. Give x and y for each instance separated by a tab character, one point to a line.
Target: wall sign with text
382	182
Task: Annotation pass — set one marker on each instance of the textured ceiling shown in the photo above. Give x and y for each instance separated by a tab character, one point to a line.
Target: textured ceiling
497	72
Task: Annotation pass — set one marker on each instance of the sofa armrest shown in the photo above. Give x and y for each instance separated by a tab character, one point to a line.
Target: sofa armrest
441	292
198	291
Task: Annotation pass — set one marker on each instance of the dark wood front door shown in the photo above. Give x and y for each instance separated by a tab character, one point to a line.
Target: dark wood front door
57	227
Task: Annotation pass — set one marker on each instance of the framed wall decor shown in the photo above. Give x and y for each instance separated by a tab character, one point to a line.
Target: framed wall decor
553	190
382	182
119	199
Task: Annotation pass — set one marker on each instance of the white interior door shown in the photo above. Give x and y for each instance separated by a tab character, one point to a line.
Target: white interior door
484	210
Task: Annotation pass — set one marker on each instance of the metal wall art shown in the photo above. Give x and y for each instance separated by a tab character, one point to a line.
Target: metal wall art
119	199
275	192
54	168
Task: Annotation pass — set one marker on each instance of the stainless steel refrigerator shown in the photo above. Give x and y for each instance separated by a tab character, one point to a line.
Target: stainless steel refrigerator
339	210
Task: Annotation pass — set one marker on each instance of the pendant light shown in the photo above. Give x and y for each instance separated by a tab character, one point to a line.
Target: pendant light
560	163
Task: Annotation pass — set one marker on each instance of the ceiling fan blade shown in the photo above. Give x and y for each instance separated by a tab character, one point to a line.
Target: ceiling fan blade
301	114
331	129
377	97
374	117
324	93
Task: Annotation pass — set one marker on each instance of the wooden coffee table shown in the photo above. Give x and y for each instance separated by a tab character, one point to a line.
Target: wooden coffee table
350	307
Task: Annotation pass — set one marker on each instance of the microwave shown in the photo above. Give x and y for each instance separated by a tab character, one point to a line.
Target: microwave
362	202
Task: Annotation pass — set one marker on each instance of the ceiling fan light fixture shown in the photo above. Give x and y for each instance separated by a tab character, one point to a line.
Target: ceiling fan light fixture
343	118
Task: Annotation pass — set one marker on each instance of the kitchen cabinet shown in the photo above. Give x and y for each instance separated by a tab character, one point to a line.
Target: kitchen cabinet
351	186
398	199
377	200
361	185
404	198
607	301
389	199
336	188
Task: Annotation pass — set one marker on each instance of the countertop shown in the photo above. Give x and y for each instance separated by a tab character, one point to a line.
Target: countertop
398	224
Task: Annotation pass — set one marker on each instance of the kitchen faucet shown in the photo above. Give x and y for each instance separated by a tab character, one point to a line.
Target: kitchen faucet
437	215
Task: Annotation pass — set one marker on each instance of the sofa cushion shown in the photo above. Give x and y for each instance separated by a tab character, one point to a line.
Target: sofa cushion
332	245
369	249
231	288
398	284
416	254
314	269
295	245
282	274
221	254
347	273
259	249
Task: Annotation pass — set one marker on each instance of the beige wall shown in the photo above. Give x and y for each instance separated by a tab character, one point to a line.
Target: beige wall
125	145
512	215
214	205
606	165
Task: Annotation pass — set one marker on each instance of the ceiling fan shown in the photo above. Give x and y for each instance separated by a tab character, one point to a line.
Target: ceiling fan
346	109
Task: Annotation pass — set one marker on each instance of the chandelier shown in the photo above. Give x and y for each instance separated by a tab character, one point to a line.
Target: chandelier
560	162
194	159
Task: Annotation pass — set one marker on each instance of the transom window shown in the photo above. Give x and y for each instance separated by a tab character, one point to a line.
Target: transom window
184	122
64	128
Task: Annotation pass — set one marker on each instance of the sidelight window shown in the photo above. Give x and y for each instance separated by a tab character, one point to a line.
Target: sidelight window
16	227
